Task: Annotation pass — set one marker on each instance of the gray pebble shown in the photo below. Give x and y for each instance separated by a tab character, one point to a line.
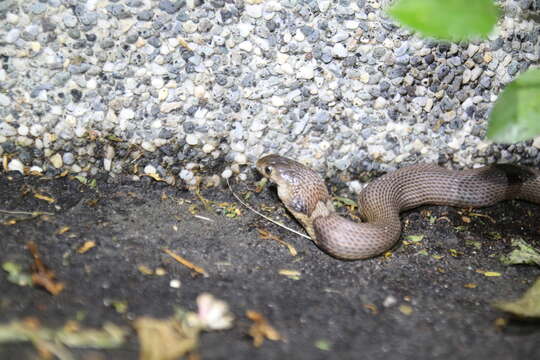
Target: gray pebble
68	158
88	18
171	7
513	68
69	20
38	8
145	15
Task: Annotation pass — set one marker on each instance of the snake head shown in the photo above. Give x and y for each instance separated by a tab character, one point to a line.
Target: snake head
299	187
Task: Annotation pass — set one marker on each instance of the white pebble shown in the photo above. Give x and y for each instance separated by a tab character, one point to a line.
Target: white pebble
339	51
149	169
306	72
175	283
246	46
380	103
170	106
192	139
389	301
12	18
4	100
227	173
126	114
351	24
148	146
186	175
324	5
56	160
158	82
12	35
278	101
23	130
255	11
244	29
107	164
16	165
240	158
208	148
36	169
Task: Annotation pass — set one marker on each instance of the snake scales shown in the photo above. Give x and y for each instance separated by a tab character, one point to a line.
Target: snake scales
304	194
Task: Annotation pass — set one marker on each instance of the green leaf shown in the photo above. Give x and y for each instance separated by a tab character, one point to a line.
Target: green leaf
524	254
415	238
527	306
516	114
453	20
345	201
323	344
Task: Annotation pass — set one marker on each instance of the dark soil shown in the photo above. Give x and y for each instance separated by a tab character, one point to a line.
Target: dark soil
345	304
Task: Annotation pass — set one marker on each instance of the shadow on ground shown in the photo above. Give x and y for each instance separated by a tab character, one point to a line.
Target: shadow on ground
428	300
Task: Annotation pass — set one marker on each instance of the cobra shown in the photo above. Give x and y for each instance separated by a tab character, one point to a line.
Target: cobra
304	194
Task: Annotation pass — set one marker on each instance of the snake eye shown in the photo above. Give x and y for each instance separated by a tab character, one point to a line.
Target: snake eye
268	170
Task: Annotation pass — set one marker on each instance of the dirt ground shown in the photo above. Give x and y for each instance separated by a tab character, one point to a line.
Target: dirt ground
429	299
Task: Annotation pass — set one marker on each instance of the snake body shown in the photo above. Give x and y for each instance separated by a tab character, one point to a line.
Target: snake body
304	194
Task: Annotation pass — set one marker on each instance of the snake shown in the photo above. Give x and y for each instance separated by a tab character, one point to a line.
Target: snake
305	195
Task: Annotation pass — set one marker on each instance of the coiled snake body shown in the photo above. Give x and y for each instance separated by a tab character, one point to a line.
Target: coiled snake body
304	194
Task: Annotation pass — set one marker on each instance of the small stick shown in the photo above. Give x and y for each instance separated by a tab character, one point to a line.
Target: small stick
186	263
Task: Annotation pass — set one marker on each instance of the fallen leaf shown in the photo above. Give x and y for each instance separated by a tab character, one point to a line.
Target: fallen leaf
415	238
46	198
16	275
291	274
86	247
154	176
62	230
488	273
323	345
164	339
110	336
264	234
470	286
261	329
41	275
524	254
406	309
492	220
455	253
143	269
526	306
340	201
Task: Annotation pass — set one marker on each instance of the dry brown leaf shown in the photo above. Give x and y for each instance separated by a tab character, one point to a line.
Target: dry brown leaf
488	273
46	198
62	230
154	176
143	269
261	329
483	216
266	235
86	246
41	275
186	263
164	339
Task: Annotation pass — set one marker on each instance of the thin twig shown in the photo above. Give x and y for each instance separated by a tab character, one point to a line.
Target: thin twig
264	216
32	213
